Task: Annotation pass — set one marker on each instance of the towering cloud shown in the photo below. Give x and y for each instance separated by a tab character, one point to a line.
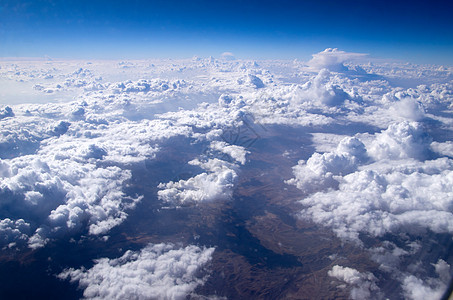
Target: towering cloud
333	59
401	140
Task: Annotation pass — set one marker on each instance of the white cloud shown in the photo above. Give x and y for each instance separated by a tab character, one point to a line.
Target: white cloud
390	256
392	190
254	81
73	177
388	201
62	195
64	165
238	153
228	56
416	289
363	285
215	184
13	232
4	169
409	109
326	142
287	105
206	116
156	272
5	112
430	288
323	91
401	140
445	149
21	136
333	59
320	170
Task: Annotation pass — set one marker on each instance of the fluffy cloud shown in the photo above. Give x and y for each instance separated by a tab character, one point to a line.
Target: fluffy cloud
155	272
64	165
117	143
401	140
445	149
363	285
395	190
13	232
5	112
62	195
238	153
430	288
388	201
21	136
215	184
254	81
287	105
383	196
67	163
321	90
228	56
207	116
333	59
410	109
72	178
320	170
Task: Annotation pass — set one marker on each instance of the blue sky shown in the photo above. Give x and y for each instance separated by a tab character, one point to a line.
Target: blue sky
417	31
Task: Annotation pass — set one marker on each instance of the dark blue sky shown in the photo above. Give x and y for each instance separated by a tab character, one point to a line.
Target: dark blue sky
417	31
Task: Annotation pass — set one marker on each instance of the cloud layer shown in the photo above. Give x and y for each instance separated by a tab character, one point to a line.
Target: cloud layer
381	177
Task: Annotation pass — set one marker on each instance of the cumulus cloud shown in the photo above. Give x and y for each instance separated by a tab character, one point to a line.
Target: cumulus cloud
430	288
5	112
62	195
255	81
401	140
238	153
391	257
251	80
227	56
21	137
158	271
326	142
215	184
321	90
145	86
363	285
64	166
4	168
320	170
72	178
287	105
389	201
13	232
444	149
409	109
122	143
333	59
394	190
